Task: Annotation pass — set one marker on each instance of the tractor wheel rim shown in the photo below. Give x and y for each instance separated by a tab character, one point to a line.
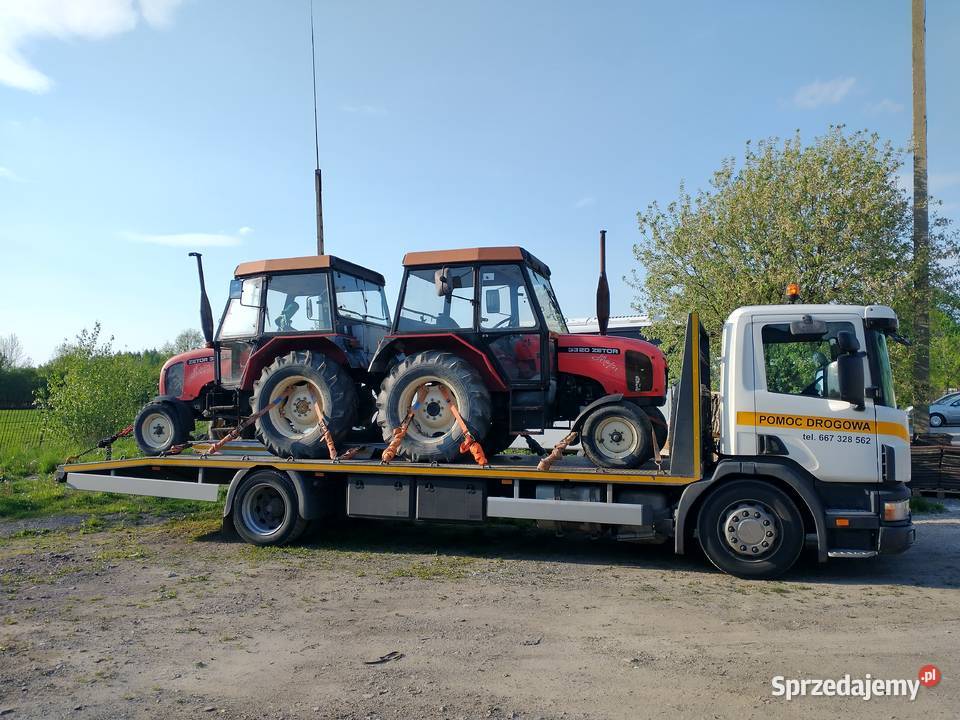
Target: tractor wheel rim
157	430
616	438
264	510
433	418
297	416
750	529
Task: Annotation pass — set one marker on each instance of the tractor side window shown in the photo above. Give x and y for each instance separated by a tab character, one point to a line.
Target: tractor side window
298	303
426	309
503	299
242	316
802	365
359	299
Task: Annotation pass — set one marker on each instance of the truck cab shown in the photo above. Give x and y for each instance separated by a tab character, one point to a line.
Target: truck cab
781	393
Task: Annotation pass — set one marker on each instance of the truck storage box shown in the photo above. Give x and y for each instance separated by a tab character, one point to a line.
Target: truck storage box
369	496
442	499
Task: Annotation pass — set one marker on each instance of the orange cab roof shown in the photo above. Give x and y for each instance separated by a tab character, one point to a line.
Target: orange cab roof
508	253
306	264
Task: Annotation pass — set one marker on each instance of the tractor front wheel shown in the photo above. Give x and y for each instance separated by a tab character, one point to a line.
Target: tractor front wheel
159	426
422	387
617	436
303	387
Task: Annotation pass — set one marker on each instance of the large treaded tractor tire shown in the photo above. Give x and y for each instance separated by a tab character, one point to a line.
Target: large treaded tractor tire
433	434
291	429
499	438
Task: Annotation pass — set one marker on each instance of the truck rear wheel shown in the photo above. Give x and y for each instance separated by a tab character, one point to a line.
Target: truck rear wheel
618	435
315	386
418	383
264	509
159	426
751	530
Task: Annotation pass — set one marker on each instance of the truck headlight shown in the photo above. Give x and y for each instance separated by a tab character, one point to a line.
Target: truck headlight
896	511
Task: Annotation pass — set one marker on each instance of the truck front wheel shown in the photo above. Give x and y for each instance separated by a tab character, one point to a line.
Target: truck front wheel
265	510
751	530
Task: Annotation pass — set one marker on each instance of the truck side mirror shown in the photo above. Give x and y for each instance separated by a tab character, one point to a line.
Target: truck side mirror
492	301
850	370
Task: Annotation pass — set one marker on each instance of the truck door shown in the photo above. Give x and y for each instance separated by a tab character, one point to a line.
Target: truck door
798	410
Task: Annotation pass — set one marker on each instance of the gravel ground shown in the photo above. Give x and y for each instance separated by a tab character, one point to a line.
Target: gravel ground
173	621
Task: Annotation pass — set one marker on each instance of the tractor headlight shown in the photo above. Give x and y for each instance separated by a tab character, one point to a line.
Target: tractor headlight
896	511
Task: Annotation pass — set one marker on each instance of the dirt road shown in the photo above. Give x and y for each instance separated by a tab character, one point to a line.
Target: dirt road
170	621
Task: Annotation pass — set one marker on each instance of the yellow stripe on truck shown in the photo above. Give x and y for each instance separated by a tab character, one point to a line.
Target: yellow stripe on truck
819	422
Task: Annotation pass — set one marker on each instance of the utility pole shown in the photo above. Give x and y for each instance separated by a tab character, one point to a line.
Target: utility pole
921	225
317	179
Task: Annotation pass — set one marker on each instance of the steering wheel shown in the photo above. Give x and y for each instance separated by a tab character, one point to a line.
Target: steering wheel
502	323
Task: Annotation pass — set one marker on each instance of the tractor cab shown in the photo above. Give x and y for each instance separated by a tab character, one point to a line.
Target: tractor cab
282	302
493	310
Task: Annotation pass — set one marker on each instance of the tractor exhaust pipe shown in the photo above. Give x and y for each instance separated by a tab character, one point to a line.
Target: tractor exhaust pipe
603	289
206	315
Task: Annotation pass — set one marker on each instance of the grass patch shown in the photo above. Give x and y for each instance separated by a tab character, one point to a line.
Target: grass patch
43	497
920	504
439	568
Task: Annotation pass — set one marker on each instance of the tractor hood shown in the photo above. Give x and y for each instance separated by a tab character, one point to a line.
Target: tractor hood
185	374
635	368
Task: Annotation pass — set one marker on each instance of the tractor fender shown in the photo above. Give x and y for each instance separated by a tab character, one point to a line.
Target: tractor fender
613	399
782	470
306	499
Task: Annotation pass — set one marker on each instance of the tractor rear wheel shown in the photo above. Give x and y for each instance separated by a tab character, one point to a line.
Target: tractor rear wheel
499	438
309	386
618	435
421	384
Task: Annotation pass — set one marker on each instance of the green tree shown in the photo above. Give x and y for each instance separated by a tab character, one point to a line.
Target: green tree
91	391
830	215
189	339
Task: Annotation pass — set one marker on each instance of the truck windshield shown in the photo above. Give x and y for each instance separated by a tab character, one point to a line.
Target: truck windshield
880	363
548	303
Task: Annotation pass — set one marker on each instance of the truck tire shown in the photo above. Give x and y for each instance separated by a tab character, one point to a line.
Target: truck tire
159	426
433	434
265	510
750	529
659	423
618	435
314	381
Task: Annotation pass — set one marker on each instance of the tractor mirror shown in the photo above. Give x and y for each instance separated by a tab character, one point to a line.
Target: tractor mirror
236	289
441	280
310	313
492	301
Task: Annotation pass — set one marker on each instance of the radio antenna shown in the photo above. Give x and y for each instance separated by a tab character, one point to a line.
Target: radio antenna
317	179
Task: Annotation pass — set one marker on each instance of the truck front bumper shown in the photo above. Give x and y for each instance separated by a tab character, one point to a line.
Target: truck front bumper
896	538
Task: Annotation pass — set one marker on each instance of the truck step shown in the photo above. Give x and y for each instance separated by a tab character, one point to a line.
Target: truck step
841	553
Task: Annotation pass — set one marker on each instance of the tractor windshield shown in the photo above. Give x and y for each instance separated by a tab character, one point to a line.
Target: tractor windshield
298	303
548	303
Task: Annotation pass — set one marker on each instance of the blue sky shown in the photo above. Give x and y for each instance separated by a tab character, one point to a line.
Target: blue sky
133	131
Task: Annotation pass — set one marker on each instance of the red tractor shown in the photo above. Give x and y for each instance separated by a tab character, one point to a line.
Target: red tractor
481	328
297	336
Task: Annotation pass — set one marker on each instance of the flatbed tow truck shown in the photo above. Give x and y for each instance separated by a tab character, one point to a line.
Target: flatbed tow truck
811	450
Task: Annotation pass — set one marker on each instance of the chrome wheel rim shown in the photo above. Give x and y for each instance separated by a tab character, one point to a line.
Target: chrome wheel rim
935	421
297	415
157	430
616	438
264	510
432	417
751	529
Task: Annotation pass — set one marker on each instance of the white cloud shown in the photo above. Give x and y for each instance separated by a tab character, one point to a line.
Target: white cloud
186	240
886	106
244	230
8	174
24	20
819	93
584	202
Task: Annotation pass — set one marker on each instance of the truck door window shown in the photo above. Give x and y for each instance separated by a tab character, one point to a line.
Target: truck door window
503	299
802	365
423	310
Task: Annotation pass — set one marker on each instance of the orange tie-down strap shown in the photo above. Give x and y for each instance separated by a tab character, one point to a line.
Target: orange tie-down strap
469	444
390	452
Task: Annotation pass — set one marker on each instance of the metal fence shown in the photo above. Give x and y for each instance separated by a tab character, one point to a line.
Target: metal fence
21	428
